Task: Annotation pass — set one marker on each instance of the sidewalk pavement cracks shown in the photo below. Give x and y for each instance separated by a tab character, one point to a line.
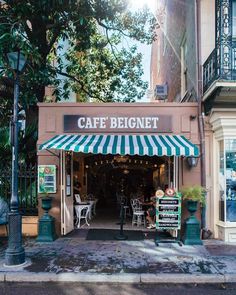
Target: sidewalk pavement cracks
79	260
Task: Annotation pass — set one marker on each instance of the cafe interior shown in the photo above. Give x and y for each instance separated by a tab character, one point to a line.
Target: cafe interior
107	180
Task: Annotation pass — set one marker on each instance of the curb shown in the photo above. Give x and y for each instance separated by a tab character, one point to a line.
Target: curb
230	278
2	277
182	278
71	277
118	278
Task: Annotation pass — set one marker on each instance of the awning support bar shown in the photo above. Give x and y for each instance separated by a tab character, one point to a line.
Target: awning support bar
54	154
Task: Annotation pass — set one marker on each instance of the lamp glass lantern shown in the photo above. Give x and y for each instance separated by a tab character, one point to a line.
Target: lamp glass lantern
16	60
192	161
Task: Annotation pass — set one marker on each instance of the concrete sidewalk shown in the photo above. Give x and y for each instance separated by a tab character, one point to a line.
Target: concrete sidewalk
77	259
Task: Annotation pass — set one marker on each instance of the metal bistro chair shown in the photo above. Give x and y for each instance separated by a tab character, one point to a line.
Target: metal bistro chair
84	202
78	198
138	214
124	202
90	204
4	214
91	198
82	212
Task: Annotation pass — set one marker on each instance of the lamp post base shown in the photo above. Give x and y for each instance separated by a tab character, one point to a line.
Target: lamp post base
121	237
15	253
15	257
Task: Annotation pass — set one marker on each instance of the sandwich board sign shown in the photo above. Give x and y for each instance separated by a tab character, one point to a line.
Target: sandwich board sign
168	212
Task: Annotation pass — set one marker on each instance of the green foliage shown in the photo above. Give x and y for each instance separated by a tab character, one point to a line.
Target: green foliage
73	45
112	78
5	147
70	45
26	151
194	193
43	195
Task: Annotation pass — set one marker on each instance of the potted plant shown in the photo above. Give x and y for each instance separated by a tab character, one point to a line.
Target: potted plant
193	195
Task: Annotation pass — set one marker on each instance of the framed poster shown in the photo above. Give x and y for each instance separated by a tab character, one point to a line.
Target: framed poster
46	179
68	191
68	180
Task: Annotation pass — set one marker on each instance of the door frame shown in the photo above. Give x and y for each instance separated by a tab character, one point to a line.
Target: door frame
67	201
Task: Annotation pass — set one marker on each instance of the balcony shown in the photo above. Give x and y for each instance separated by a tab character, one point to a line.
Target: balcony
220	67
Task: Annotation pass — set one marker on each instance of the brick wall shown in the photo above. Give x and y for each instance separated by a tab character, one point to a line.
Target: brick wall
177	20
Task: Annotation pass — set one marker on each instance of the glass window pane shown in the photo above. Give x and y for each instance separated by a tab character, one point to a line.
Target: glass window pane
230	153
221	182
234	19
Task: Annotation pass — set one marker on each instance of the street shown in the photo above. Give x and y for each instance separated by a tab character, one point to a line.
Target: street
113	289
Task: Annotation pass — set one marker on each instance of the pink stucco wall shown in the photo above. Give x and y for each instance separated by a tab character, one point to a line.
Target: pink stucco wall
184	122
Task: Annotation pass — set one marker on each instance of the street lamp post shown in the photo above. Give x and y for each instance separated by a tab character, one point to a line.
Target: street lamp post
15	253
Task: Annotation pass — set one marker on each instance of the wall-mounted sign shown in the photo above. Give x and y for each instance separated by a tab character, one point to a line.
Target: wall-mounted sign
168	212
115	123
46	179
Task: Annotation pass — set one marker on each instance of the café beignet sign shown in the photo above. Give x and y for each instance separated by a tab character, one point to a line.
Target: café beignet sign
98	124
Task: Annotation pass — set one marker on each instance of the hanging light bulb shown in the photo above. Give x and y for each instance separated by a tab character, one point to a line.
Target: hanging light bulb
121	159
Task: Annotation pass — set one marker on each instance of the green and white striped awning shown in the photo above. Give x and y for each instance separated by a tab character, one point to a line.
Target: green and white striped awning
160	145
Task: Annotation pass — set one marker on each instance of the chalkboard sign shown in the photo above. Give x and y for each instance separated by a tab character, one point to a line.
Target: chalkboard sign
168	212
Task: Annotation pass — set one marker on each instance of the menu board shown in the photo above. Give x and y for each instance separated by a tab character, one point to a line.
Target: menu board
168	212
46	179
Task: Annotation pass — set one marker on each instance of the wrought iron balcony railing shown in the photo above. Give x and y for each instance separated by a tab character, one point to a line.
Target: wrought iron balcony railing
209	71
220	67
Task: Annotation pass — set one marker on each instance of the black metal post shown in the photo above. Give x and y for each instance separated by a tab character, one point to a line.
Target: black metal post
121	235
15	253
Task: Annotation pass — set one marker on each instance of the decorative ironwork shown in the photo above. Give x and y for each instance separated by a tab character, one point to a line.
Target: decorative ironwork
27	184
221	64
210	70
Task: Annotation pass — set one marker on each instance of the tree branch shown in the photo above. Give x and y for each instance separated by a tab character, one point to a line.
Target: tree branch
112	28
53	39
112	49
82	87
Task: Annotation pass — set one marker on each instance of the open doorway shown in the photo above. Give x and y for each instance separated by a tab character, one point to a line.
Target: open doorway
105	177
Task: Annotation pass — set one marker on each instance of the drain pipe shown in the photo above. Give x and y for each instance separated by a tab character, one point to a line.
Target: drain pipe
200	107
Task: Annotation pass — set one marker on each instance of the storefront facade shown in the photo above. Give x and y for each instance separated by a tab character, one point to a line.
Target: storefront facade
77	138
223	123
